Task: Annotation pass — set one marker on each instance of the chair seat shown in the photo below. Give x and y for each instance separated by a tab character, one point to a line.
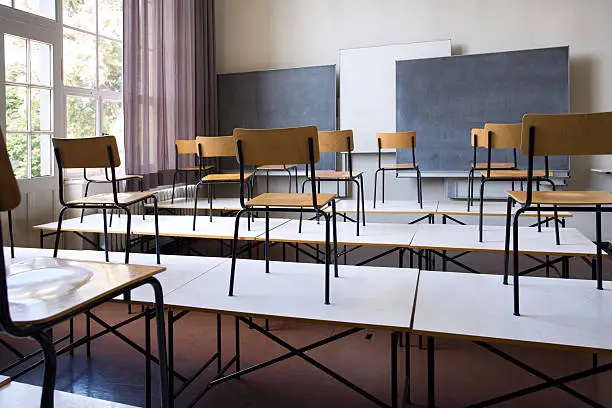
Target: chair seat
564	197
288	200
498	166
399	166
45	290
195	168
277	167
107	198
516	174
225	177
331	174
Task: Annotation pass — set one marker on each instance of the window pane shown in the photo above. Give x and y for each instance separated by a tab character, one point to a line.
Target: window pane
79	59
110	18
41	155
113	122
15	58
40	108
5	2
111	65
40	63
44	8
80	117
16	114
17	146
80	13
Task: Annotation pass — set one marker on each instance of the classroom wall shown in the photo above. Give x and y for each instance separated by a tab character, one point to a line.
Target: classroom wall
269	34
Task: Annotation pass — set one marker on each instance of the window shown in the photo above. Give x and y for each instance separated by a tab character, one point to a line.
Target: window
29	105
43	8
93	67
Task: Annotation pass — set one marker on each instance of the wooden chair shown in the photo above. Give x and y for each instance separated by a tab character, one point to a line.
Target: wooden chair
340	141
283	146
508	136
479	135
221	146
278	168
107	180
33	314
559	135
187	147
98	152
397	140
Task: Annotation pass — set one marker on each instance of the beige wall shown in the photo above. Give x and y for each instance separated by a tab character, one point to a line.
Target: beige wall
268	34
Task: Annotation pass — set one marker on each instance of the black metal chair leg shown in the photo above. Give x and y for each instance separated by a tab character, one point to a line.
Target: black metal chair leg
363	211
128	238
419	188
156	219
469	186
267	243
85	195
11	237
599	259
195	205
557	234
58	231
358	199
234	251
48	388
105	234
481	214
210	202
383	186
174	185
161	343
375	185
327	255
335	236
515	247
507	241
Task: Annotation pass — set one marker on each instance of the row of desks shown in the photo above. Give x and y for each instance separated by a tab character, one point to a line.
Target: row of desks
560	312
449	208
444	237
557	313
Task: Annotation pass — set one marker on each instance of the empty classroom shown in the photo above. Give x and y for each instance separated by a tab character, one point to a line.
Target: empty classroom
305	203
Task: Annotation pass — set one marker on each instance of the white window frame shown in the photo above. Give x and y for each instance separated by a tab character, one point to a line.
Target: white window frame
26	25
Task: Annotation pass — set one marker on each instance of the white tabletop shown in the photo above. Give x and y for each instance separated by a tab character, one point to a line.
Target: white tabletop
602	171
373	234
558	312
169	226
388	207
465	238
366	297
179	269
490	209
22	395
223	203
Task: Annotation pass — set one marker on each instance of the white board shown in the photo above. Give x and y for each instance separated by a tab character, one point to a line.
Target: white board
367	87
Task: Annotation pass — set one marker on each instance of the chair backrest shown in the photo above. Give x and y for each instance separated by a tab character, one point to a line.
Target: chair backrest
188	146
477	137
10	197
278	146
396	140
87	153
503	136
336	141
572	134
217	146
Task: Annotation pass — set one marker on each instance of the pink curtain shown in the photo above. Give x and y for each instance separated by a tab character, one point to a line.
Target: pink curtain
159	83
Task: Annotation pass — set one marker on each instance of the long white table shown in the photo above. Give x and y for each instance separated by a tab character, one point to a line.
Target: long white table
555	313
465	238
490	209
169	226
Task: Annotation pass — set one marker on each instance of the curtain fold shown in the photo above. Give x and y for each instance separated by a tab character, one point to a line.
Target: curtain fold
162	52
206	69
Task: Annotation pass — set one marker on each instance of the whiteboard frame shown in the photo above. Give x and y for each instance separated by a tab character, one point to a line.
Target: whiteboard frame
367	101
